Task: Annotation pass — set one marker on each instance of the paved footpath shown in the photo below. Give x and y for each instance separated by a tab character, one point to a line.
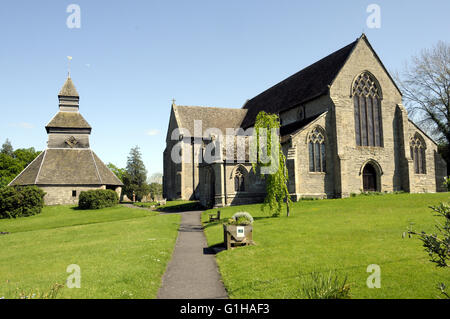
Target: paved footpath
192	273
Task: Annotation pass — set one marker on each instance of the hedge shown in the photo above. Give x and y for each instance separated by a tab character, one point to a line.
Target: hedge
96	199
20	201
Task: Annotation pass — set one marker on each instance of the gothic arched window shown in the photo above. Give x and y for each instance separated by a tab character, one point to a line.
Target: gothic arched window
239	180
367	102
316	149
417	146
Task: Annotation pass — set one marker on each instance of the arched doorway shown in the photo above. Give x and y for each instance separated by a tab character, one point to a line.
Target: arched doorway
369	178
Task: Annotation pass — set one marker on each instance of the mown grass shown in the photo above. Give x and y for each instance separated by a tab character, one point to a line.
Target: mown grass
122	252
342	235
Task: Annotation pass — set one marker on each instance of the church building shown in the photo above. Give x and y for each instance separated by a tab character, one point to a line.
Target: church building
343	130
68	166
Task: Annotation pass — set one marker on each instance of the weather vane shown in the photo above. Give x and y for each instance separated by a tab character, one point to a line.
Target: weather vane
69	58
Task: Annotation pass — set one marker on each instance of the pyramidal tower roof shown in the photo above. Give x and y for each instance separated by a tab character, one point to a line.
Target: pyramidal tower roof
68	159
68	88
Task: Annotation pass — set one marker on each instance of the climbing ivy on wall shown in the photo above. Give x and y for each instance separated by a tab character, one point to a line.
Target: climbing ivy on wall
276	182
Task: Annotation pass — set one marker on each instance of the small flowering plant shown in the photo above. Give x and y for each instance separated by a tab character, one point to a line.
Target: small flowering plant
446	182
241	218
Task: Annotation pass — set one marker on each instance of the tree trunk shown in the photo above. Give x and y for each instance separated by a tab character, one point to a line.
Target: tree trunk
287	207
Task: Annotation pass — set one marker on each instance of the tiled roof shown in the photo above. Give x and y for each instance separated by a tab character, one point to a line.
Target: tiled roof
67	167
211	117
68	89
307	84
295	126
68	120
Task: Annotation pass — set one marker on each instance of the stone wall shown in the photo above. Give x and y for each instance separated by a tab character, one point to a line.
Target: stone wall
59	140
221	186
351	158
62	195
313	184
425	183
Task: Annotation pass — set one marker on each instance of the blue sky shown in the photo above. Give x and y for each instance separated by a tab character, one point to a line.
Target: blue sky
130	58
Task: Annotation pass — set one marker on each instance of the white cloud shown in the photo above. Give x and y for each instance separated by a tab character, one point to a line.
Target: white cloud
153	132
24	125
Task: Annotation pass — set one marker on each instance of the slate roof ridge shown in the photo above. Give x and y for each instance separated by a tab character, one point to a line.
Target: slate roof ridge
422	131
299	126
23	171
98	161
96	167
305	85
40	167
208	107
303	70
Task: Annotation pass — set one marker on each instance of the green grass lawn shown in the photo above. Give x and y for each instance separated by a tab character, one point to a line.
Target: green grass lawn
122	252
342	235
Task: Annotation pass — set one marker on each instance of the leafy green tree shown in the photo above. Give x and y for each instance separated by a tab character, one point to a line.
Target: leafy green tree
25	155
135	177
13	162
425	85
276	182
7	148
155	190
437	245
119	172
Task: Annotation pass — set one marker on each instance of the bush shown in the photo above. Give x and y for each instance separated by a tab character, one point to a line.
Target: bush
21	201
325	286
96	199
437	245
446	182
241	218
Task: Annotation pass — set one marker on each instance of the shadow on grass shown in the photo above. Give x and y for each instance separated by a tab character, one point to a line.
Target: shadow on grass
215	249
185	207
207	224
89	209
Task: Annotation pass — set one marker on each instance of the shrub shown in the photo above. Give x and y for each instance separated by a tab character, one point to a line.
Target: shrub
241	218
437	245
33	200
446	182
20	201
325	286
51	293
96	199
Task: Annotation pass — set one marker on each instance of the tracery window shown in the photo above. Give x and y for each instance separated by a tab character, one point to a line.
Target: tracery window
316	149
417	147
367	103
239	180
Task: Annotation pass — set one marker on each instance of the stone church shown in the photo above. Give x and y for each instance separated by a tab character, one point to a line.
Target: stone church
68	166
343	130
